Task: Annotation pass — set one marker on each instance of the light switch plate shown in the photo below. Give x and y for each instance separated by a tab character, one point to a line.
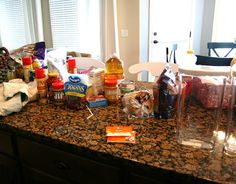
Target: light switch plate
124	33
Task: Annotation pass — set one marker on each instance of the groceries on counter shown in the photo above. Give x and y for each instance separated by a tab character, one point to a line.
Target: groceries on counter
138	103
114	74
165	94
76	87
207	89
120	134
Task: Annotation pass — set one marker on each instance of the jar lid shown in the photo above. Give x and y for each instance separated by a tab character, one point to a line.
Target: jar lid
39	73
58	85
200	70
27	60
71	63
53	74
110	83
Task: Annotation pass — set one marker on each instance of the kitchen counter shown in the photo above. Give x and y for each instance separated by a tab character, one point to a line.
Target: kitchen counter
156	146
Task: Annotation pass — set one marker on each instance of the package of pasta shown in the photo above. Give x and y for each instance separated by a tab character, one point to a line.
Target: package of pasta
138	103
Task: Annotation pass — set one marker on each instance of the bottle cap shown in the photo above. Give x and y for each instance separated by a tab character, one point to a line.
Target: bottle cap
27	60
190	51
53	74
71	63
58	85
110	83
39	73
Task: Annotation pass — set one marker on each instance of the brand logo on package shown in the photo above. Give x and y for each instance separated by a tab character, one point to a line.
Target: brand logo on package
74	79
74	87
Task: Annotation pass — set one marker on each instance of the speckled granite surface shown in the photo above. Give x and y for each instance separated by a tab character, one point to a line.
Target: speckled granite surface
156	145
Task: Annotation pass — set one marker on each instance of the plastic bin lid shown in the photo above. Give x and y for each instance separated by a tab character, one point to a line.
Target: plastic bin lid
200	70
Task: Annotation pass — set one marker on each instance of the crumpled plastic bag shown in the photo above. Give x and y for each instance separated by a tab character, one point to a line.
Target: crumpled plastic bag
13	96
138	104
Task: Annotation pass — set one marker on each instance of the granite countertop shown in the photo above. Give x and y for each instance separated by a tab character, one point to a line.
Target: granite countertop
156	144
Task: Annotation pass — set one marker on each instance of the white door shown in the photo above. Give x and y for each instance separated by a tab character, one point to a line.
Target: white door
170	22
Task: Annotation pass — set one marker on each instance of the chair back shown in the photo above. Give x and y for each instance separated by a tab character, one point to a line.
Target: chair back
214	46
154	68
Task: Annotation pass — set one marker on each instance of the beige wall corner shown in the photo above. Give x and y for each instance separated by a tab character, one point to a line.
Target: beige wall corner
128	20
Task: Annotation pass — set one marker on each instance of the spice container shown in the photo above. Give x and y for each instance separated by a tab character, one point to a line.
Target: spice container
52	77
58	93
111	90
71	66
200	107
41	85
27	66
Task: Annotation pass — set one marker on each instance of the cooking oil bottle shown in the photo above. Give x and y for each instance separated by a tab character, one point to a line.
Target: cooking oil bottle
114	68
114	74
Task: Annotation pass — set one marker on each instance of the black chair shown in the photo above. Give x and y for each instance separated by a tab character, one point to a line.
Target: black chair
213	61
214	46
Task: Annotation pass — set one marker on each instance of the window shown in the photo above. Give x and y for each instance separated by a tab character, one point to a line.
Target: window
13	29
224	28
75	24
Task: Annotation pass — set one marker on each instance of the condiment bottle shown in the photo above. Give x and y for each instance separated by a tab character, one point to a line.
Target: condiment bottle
58	93
114	68
72	66
27	66
111	90
41	85
52	77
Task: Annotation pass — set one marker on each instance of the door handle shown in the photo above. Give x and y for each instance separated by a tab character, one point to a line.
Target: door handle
155	41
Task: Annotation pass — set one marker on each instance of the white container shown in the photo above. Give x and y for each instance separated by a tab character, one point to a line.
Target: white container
200	104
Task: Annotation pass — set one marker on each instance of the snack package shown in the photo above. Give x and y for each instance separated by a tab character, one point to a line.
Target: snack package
138	103
76	87
167	93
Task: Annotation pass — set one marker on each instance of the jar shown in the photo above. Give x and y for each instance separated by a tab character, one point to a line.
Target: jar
52	77
58	93
111	90
200	104
126	86
27	66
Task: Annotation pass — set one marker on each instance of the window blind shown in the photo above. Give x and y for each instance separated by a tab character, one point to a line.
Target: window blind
75	24
12	24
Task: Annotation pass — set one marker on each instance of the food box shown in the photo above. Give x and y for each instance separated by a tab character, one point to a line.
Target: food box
208	91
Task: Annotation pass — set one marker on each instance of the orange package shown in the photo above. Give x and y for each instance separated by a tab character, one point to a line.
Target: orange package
118	131
122	139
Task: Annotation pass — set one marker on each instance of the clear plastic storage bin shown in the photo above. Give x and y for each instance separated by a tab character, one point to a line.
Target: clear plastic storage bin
200	104
230	139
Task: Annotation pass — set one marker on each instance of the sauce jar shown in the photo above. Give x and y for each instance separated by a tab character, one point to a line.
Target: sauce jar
111	90
58	93
52	77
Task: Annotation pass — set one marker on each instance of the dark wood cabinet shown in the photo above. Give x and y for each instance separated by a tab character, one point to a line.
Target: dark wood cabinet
64	165
6	143
34	176
9	165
